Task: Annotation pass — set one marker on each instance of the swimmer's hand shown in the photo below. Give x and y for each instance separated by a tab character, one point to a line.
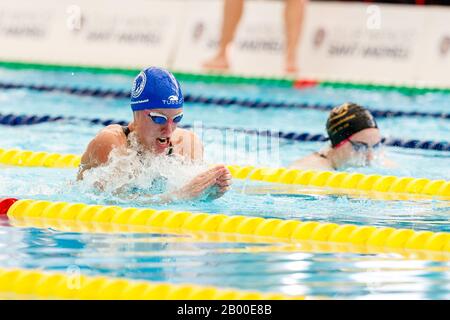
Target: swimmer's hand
211	184
222	186
218	176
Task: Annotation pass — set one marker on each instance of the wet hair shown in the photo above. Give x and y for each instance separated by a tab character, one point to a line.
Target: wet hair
346	120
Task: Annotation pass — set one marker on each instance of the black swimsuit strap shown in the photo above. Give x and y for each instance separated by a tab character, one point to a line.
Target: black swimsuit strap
321	155
170	150
126	130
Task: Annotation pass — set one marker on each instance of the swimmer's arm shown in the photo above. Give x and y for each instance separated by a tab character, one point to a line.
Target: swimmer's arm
297	164
311	162
218	177
98	150
148	199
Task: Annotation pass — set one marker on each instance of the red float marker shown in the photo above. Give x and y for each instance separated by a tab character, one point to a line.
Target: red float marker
304	83
5	204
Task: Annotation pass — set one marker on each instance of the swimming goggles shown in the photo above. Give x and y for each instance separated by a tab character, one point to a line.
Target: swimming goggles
364	147
162	119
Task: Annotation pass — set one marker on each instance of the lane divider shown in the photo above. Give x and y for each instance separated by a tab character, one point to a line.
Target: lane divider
5	204
220	101
13	120
135	224
345	180
404	89
285	230
36	284
26	158
326	179
232	79
18	120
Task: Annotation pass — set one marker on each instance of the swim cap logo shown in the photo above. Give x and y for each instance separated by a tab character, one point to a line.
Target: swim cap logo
341	110
138	85
171	100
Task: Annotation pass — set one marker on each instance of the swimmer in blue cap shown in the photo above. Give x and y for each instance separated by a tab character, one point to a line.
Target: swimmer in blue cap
355	141
157	105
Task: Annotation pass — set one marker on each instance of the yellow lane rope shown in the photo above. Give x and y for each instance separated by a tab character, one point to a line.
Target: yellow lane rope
323	179
46	213
35	284
271	244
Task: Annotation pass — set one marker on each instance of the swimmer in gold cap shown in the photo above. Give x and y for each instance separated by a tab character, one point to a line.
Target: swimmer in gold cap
355	141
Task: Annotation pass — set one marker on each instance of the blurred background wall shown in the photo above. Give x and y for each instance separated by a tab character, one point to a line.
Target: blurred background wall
379	42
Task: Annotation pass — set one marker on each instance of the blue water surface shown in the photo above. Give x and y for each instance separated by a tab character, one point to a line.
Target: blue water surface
247	266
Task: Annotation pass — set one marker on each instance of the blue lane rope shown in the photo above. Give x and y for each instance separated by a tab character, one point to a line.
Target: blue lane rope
17	120
222	101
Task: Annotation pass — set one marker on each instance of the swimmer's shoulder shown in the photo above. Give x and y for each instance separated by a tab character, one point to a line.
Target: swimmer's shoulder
312	162
104	142
111	135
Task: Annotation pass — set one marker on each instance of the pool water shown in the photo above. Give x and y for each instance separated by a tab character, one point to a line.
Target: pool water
179	259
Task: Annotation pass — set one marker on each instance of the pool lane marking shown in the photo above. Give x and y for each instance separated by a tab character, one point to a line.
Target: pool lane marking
19	120
216	101
44	214
181	235
342	181
251	243
402	87
36	284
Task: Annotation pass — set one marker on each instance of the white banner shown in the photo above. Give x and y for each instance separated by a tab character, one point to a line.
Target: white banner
339	41
26	33
363	42
110	33
434	64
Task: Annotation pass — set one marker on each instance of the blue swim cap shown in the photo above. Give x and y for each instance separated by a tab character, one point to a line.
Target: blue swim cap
156	88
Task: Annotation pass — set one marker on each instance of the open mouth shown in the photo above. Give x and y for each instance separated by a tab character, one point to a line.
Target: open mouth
163	141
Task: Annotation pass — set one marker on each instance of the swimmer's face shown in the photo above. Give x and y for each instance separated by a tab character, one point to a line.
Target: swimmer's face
155	136
361	148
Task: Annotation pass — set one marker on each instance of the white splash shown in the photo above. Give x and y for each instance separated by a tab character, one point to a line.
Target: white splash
138	172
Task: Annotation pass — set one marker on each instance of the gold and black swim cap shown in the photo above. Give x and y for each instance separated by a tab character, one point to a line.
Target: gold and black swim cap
346	120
